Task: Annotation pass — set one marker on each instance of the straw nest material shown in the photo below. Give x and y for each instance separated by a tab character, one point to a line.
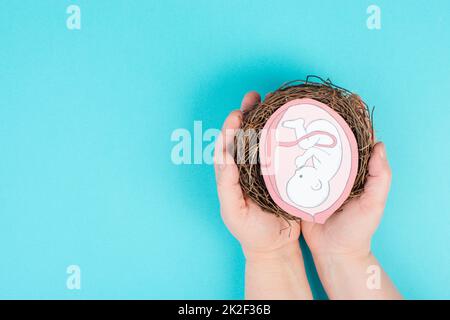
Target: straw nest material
347	104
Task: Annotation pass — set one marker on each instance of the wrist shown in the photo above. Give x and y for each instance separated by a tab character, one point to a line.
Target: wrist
343	275
276	273
354	277
341	253
337	259
285	252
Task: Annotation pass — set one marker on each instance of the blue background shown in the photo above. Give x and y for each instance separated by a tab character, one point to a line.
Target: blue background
86	117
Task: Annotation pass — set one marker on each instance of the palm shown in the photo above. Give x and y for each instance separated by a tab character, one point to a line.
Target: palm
346	232
261	231
350	230
256	229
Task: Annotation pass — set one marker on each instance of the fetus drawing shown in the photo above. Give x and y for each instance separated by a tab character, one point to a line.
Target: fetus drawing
308	159
310	184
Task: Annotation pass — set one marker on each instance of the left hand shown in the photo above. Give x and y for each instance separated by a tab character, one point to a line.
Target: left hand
259	232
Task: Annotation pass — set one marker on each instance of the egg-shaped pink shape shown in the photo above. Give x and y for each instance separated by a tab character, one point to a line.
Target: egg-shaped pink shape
309	159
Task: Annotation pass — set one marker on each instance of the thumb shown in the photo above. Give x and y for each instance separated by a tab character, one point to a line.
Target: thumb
227	174
378	181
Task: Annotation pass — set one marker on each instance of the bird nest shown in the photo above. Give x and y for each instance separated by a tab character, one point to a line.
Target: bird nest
347	104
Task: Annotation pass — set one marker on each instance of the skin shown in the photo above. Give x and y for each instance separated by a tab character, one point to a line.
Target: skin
274	261
341	246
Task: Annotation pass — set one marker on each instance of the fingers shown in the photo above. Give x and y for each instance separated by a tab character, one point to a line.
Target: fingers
307	226
250	99
227	174
225	142
378	182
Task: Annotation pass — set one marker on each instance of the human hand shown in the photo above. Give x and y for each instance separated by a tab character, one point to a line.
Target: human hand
349	232
259	232
274	262
341	246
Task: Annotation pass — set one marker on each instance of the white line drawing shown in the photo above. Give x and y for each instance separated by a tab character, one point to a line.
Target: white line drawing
309	187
